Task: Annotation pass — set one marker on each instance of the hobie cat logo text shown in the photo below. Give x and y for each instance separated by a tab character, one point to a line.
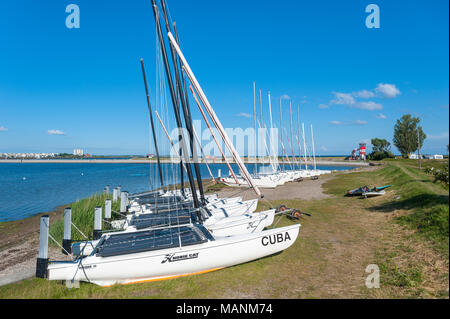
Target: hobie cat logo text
172	258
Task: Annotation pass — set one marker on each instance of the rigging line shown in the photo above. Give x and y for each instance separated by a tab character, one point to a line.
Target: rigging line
256	135
175	102
79	230
152	125
203	154
215	119
188	120
213	135
273	161
284	151
292	150
170	140
263	138
56	242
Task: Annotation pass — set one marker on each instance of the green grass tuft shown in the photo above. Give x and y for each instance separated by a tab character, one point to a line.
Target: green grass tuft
83	217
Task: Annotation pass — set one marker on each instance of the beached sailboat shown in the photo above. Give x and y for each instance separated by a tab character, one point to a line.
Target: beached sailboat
169	253
376	191
219	226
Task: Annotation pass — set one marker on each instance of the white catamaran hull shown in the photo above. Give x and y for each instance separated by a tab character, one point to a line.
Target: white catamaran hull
221	226
262	183
171	263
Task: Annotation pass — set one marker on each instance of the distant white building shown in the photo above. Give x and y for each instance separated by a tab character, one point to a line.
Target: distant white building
78	152
415	156
436	156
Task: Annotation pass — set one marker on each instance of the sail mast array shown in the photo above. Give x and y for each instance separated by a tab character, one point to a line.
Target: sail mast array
313	148
152	124
184	105
214	136
175	104
214	117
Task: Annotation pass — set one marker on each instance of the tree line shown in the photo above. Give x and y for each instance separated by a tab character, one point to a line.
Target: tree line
408	138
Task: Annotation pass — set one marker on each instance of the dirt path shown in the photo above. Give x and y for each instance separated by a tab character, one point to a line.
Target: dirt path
305	190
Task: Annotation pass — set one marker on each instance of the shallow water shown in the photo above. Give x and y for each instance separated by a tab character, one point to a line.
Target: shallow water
27	189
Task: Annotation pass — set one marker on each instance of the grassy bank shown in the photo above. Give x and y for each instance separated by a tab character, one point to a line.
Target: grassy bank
402	232
83	217
425	202
83	214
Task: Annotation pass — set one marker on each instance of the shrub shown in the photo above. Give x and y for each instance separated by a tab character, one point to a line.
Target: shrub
378	156
440	175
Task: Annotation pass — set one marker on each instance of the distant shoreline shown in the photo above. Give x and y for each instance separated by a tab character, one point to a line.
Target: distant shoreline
143	161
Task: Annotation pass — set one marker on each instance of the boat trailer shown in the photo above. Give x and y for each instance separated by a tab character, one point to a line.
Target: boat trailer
291	213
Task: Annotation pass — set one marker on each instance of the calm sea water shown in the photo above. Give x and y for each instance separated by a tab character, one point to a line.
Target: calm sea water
27	189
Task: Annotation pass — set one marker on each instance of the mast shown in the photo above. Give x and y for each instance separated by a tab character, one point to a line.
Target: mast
186	111
281	131
254	118
271	132
314	151
292	137
168	137
261	123
214	117
152	124
304	145
214	136
204	156
175	107
185	106
297	137
173	146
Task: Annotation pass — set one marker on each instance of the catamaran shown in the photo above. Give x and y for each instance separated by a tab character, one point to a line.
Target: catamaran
167	253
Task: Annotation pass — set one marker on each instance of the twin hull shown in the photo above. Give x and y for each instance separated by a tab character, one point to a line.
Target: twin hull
181	261
227	226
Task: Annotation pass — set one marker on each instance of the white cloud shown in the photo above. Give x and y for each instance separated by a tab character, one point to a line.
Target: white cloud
370	106
438	137
388	91
285	97
3	129
357	122
364	94
244	115
56	132
343	99
381	116
323	106
323	148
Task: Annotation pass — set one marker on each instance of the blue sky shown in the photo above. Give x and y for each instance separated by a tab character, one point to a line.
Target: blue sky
352	83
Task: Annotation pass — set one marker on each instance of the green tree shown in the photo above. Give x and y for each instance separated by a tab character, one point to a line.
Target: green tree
380	145
405	135
381	149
